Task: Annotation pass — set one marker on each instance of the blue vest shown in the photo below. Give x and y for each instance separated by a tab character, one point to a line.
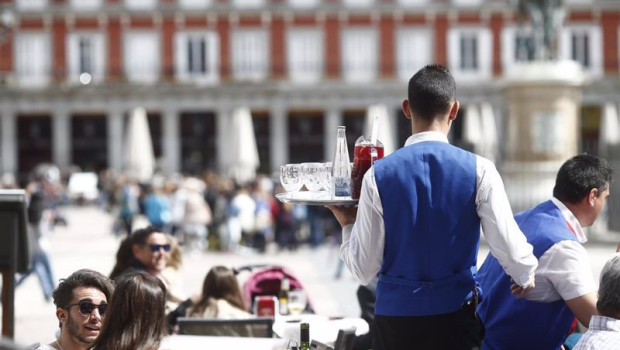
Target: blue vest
432	229
512	323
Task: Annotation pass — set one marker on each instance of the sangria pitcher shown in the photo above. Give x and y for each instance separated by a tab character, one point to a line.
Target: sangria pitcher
365	153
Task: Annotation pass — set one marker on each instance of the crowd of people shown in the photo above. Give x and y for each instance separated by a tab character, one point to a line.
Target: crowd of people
413	240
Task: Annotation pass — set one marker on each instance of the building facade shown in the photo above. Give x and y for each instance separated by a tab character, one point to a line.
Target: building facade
72	70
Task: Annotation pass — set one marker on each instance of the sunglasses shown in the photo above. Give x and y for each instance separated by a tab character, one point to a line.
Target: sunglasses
156	247
87	307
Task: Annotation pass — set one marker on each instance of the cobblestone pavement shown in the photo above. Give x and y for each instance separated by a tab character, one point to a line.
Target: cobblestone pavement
87	242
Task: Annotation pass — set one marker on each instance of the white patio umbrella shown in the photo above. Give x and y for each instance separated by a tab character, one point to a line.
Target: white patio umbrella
609	129
489	132
385	132
139	158
472	130
243	158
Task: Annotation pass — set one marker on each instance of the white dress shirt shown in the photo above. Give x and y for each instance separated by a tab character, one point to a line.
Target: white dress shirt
564	271
363	242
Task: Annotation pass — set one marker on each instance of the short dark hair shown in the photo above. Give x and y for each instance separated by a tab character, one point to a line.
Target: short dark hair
579	175
608	303
431	92
63	294
140	236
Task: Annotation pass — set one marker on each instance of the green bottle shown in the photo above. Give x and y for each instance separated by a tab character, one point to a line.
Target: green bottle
304	336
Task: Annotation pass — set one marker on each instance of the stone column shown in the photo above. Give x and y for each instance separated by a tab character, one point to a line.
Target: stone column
8	142
222	126
116	139
61	138
171	145
278	131
542	128
332	120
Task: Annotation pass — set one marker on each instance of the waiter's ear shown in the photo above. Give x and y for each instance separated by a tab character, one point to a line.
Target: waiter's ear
454	110
406	109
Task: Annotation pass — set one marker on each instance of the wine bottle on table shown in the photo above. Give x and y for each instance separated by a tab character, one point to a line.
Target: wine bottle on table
285	286
304	336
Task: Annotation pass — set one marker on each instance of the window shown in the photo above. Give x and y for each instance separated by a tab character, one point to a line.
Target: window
32	59
195	4
248	3
518	46
583	43
305	54
414	50
466	2
86	57
469	52
31	4
197	56
86	4
358	3
141	4
304	3
359	54
142	54
413	2
250	54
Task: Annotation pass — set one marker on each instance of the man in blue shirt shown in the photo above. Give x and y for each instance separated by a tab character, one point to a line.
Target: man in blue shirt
565	286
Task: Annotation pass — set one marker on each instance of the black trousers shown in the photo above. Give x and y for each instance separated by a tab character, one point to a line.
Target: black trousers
459	330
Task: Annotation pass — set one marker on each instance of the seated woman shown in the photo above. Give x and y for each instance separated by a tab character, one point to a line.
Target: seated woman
221	296
128	326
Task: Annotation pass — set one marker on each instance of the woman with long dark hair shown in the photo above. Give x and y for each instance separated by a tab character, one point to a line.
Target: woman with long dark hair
221	296
136	315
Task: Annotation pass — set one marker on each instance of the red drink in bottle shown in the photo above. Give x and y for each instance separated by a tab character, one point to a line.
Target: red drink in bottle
362	160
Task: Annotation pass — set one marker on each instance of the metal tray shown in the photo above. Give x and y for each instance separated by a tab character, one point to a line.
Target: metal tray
314	198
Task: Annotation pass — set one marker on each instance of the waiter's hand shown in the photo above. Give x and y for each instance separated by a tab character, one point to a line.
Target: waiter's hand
344	215
518	291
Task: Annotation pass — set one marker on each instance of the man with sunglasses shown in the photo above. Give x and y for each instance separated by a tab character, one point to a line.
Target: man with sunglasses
149	249
81	300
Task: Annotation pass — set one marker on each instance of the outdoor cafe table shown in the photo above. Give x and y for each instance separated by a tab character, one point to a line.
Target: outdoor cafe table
190	342
322	328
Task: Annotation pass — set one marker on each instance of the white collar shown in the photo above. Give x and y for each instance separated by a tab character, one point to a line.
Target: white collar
571	220
426	136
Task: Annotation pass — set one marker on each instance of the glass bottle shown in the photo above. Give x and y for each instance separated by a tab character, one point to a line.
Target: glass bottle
285	286
341	168
304	336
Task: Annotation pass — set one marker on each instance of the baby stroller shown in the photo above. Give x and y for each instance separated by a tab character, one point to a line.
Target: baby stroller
266	280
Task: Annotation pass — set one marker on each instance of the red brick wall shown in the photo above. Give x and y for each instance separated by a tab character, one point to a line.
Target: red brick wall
441	40
278	48
609	24
167	36
387	49
332	47
497	21
59	61
115	49
223	29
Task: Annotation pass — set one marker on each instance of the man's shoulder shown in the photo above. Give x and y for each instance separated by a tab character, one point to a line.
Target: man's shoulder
40	346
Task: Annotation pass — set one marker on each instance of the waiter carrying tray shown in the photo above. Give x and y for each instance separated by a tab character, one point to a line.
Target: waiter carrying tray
417	226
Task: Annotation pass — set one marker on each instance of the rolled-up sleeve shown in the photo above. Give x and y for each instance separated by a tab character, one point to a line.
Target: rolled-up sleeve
506	241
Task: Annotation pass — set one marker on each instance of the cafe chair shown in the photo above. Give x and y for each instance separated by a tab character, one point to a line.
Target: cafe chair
256	327
345	339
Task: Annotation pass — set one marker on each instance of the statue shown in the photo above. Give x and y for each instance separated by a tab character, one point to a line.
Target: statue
546	17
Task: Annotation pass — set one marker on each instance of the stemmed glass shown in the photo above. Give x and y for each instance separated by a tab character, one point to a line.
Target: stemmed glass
291	177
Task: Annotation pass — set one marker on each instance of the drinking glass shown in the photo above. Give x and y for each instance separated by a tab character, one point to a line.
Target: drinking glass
312	176
291	177
327	176
296	301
